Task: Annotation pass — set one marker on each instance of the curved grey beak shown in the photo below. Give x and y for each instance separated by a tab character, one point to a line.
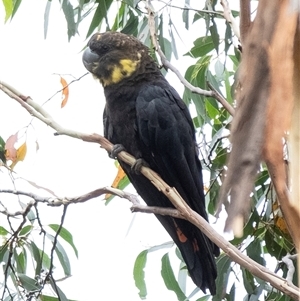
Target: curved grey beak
89	58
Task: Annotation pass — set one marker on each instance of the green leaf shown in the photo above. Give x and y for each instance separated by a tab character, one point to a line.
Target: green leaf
213	196
220	160
2	150
35	252
4	253
228	37
213	81
235	60
100	13
131	26
224	269
62	255
182	276
248	279
28	283
3	231
185	14
63	258
139	273
68	10
21	261
132	3
215	36
173	43
119	17
25	230
200	71
273	247
169	278
166	47
41	258
10	297
8	6
46	18
66	235
16	6
48	298
202	46
254	251
59	292
212	111
231	296
139	265
229	96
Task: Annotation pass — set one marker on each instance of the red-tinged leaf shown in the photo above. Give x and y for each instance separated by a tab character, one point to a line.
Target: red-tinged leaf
13	154
10	150
65	92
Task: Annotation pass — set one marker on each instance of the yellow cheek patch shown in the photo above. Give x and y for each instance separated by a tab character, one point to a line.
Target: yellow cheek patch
125	68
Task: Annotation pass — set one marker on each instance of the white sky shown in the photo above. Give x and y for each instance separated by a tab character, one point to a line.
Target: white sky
71	167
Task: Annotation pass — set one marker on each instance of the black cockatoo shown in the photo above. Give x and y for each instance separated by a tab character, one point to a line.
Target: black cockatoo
145	115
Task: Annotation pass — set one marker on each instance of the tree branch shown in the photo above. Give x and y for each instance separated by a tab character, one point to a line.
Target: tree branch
288	260
183	209
230	19
245	19
168	65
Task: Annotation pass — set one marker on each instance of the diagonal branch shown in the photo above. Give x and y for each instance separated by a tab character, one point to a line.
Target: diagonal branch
182	209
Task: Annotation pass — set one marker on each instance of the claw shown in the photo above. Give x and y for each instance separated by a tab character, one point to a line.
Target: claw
139	163
117	148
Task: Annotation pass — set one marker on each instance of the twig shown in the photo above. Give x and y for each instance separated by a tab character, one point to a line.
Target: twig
221	100
56	202
168	65
49	274
70	83
230	19
288	260
204	11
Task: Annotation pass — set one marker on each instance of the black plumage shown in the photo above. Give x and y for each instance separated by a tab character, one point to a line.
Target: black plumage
147	116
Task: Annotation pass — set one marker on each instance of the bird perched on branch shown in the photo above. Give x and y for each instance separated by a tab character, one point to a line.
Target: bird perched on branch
148	118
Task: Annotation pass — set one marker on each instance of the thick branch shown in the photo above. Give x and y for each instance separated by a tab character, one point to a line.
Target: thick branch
245	19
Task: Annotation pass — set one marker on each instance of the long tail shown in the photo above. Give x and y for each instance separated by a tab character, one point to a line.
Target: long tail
197	251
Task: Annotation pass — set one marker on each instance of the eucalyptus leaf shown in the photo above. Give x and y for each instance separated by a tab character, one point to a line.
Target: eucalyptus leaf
139	273
169	278
66	235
